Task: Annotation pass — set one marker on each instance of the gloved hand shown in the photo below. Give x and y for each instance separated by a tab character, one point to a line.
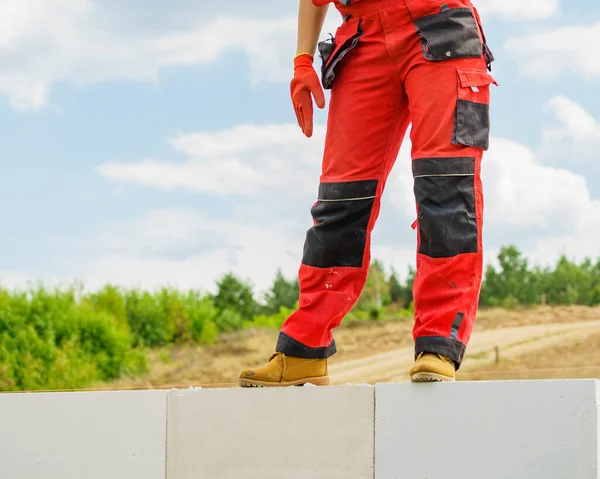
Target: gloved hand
305	82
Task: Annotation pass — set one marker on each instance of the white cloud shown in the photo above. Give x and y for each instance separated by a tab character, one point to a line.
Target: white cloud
42	43
544	209
521	193
578	124
238	139
227	177
247	160
576	140
399	188
526	201
79	42
14	279
547	210
274	167
519	10
175	247
187	250
268	44
559	51
396	257
21	17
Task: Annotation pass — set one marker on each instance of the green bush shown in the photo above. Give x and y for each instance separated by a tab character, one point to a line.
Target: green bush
63	339
202	314
148	323
110	300
50	340
273	321
229	320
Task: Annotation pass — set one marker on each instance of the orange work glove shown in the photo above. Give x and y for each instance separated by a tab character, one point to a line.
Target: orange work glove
305	82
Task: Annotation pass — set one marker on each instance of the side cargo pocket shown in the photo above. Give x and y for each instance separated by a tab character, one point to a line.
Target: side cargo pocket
472	115
333	50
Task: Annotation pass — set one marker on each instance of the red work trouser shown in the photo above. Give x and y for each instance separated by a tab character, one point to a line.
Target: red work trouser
393	63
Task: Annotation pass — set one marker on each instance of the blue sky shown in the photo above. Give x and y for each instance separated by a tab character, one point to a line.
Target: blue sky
162	148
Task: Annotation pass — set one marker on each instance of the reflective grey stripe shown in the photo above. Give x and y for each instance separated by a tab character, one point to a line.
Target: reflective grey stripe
346	190
456	325
351	199
457	174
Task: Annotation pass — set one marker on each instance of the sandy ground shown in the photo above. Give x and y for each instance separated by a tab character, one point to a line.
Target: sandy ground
393	366
577	357
383	351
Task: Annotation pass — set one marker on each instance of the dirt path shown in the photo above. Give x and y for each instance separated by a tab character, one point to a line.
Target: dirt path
394	365
515	332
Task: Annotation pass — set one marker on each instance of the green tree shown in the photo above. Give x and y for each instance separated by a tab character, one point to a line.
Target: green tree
283	293
402	293
376	293
515	273
513	283
148	323
110	300
570	284
409	284
202	313
396	288
229	320
595	295
235	296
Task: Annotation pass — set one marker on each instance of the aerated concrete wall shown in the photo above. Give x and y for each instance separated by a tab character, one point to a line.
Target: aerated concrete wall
466	430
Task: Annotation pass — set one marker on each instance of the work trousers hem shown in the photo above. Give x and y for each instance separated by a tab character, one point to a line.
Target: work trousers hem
448	347
291	347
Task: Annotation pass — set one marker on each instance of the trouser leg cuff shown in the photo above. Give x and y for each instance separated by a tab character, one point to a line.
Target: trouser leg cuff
450	348
291	347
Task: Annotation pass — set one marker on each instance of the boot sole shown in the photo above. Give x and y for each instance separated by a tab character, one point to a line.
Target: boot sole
430	378
249	383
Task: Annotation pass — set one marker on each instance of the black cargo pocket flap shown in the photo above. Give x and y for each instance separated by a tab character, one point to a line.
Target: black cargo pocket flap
451	33
326	49
343	37
332	52
475	78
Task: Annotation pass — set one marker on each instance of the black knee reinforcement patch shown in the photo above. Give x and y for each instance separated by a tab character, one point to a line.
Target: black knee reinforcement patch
445	195
341	215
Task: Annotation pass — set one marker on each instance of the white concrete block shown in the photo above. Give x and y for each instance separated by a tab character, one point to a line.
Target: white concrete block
487	430
83	435
272	433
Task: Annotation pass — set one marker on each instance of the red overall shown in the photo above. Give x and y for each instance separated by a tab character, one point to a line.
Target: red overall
393	63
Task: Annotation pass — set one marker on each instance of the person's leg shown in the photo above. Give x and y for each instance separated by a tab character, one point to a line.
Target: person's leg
367	120
449	108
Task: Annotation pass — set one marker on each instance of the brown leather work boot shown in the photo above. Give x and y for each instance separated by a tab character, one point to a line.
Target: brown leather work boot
432	368
283	370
